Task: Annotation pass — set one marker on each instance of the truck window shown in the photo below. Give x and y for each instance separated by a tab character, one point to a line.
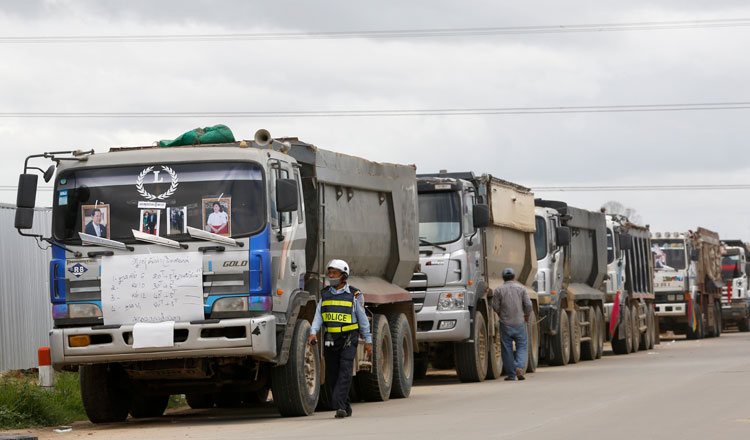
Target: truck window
730	267
540	238
668	254
469	214
160	199
285	216
439	217
610	247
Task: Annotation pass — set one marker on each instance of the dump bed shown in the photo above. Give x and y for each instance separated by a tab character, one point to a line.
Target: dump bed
509	239
708	274
362	212
639	261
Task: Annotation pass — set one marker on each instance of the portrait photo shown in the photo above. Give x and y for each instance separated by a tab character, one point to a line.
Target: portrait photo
217	215
177	217
149	221
95	220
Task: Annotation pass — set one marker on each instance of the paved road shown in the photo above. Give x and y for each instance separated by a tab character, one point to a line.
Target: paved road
681	390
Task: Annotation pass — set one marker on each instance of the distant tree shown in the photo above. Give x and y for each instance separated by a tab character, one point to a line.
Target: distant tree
615	207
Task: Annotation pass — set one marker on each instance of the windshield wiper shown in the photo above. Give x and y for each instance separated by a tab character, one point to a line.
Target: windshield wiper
423	241
104	242
210	236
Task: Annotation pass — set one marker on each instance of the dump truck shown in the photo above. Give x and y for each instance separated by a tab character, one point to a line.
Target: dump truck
571	250
735	267
687	282
630	318
470	228
196	270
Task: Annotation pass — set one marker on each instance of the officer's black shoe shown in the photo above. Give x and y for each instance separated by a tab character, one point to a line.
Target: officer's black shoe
349	412
340	413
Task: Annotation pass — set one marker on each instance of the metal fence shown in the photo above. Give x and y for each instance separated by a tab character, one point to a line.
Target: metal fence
25	310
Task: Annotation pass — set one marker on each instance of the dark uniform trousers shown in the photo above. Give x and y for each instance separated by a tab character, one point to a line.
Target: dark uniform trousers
339	368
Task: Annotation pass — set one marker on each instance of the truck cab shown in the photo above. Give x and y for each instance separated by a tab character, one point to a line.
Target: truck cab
673	271
735	303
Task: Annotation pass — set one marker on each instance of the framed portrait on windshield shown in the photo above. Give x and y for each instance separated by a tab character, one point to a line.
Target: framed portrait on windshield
149	221
95	220
217	215
177	219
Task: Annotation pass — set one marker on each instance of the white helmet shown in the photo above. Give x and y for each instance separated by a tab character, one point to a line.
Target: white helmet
340	265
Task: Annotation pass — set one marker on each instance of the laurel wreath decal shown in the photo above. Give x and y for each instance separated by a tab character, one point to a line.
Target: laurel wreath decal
142	191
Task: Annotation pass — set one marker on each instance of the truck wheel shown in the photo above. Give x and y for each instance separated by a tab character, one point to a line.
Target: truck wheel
296	385
646	335
588	348
148	406
420	368
471	357
200	400
744	325
623	345
717	319
560	342
602	332
652	327
376	385
575	337
635	322
104	392
697	333
532	339
403	356
494	357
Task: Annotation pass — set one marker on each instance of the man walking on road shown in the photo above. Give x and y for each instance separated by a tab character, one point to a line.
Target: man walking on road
512	303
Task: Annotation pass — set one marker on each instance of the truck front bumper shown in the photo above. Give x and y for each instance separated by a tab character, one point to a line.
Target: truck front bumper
429	320
222	338
738	310
671	309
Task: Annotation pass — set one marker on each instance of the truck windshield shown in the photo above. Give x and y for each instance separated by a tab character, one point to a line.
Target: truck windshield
730	267
224	198
540	238
668	254
439	217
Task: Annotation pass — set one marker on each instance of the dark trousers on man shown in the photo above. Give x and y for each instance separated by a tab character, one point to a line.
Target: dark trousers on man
339	369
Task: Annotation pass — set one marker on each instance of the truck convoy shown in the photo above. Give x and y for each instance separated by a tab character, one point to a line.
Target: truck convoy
195	270
687	282
470	229
571	250
735	302
629	308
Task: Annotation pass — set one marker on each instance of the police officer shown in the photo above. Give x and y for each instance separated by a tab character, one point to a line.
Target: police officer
341	313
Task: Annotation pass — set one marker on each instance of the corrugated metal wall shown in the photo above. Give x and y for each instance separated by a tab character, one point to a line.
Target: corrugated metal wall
25	310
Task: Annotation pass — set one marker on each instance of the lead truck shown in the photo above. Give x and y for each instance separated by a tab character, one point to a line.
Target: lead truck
196	269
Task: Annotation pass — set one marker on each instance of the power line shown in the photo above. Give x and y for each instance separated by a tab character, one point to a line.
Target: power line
594	188
634	108
395	33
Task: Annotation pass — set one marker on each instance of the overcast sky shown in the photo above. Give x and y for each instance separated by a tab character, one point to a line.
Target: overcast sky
570	69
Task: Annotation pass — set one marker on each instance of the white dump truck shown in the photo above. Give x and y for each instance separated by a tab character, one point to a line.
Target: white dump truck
735	267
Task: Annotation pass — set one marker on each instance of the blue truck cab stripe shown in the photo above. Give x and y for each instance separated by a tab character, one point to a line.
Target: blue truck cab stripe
57	276
260	263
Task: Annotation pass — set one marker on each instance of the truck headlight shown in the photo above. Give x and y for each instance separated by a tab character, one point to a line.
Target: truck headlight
84	310
680	297
451	301
670	297
231	304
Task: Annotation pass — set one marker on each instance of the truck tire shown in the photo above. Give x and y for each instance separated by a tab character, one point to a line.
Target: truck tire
589	348
296	385
624	345
654	331
104	392
200	400
148	406
717	318
560	342
575	337
471	357
376	385
635	322
602	332
532	339
494	357
744	324
697	333
645	337
403	356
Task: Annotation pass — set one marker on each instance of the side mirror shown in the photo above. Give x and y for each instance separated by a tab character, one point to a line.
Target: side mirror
694	255
49	173
624	242
563	235
286	195
25	201
481	214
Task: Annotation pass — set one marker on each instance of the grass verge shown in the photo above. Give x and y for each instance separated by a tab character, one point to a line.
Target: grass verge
24	404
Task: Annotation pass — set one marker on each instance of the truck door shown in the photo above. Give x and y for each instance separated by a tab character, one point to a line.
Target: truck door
473	272
287	237
556	256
